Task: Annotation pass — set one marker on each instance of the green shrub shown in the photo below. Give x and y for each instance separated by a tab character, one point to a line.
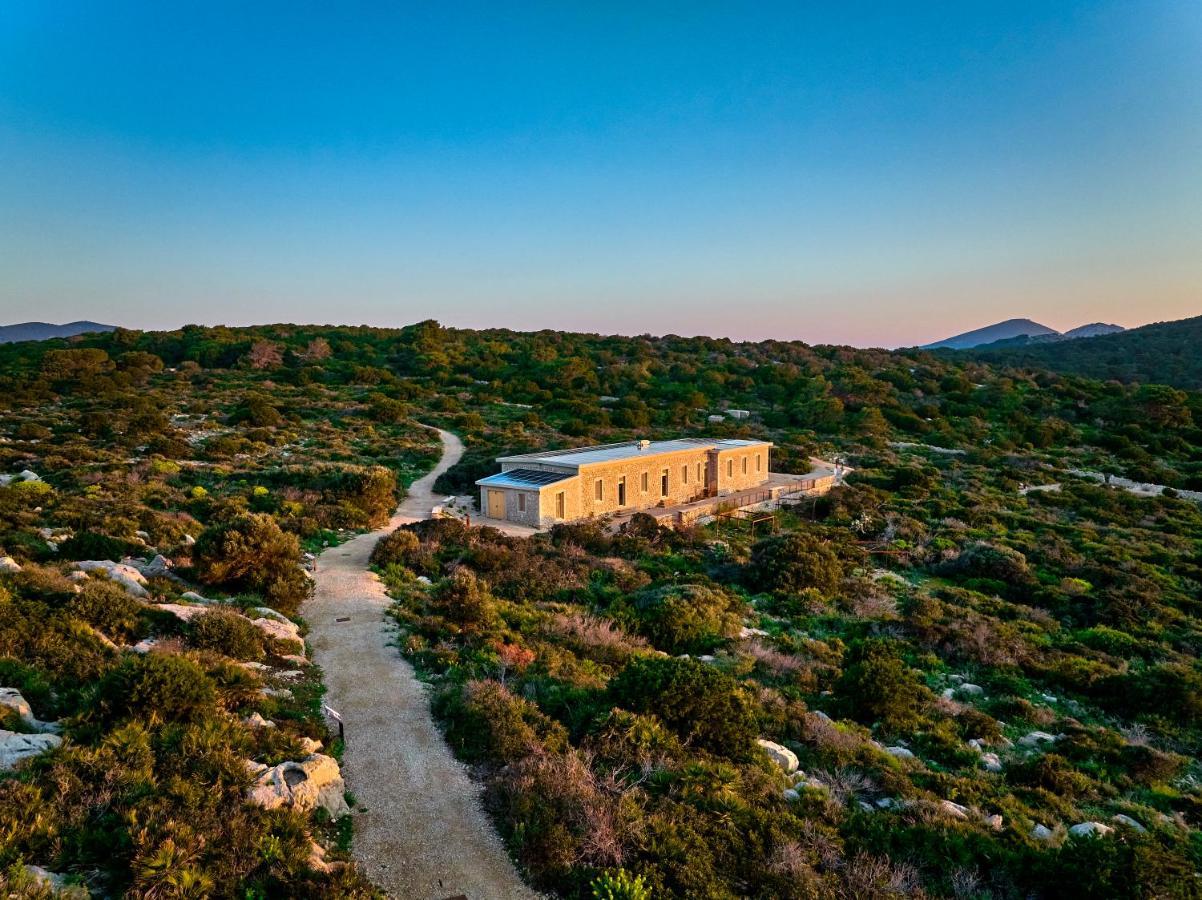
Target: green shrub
792	562
687	618
225	631
396	548
252	554
465	600
92	545
618	884
878	686
700	703
108	607
485	722
160	687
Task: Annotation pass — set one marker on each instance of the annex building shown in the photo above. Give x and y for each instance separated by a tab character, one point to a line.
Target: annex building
540	489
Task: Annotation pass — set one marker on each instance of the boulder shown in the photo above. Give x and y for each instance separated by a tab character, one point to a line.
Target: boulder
144	646
1125	819
128	577
278	630
157	567
791	795
971	690
746	632
996	822
296	659
1041	832
1090	829
782	756
313	782
255	720
193	597
8	564
992	762
12	698
182	612
953	809
900	752
14	747
1036	739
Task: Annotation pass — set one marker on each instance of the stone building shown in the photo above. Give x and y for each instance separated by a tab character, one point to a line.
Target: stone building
540	489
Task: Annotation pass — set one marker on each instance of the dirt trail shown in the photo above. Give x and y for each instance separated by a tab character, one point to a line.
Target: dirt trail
424	834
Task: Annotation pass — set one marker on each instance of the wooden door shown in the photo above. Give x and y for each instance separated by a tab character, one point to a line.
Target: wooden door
496	504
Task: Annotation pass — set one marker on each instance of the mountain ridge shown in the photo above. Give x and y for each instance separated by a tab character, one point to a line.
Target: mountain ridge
42	331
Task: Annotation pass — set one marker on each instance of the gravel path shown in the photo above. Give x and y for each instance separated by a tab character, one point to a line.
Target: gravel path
423	834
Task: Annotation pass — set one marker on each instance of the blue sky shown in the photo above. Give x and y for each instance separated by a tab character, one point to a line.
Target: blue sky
854	173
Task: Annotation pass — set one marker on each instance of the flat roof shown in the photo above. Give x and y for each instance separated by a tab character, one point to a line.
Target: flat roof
523	478
583	456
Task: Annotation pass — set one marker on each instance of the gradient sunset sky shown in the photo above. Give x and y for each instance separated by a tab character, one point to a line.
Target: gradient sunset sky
868	173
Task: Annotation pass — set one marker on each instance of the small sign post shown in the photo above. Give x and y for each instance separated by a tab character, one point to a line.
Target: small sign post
337	717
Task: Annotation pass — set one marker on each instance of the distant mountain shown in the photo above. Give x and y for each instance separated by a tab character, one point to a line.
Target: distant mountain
1011	328
41	331
1094	330
1163	353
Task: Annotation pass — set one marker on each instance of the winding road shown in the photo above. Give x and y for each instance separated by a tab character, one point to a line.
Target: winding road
422	832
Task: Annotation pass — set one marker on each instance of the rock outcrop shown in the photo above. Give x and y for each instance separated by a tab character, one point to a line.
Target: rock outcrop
8	564
16	748
128	577
314	782
782	756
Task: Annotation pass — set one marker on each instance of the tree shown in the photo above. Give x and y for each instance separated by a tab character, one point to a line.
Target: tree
793	562
251	553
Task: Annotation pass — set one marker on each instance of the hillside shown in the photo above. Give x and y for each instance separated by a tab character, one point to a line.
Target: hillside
41	331
1162	353
929	683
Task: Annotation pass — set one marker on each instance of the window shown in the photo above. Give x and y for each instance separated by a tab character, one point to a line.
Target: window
744	465
599	490
684	474
559	506
663	484
521	502
698	473
759	460
645	488
622	491
730	468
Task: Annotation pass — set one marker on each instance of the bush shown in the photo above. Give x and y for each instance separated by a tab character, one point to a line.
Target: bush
878	686
225	631
488	723
700	703
107	607
397	548
90	545
465	600
620	885
253	554
160	687
793	562
687	618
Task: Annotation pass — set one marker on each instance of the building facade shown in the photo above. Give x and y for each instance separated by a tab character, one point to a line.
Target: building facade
540	489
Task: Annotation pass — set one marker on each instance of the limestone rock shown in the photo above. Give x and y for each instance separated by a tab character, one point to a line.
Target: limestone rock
193	597
255	720
1090	829
953	809
900	752
12	698
992	762
144	646
278	630
1041	833
1125	819
971	690
313	782
996	822
782	756
15	747
128	577
181	612
8	564
791	795
1036	739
